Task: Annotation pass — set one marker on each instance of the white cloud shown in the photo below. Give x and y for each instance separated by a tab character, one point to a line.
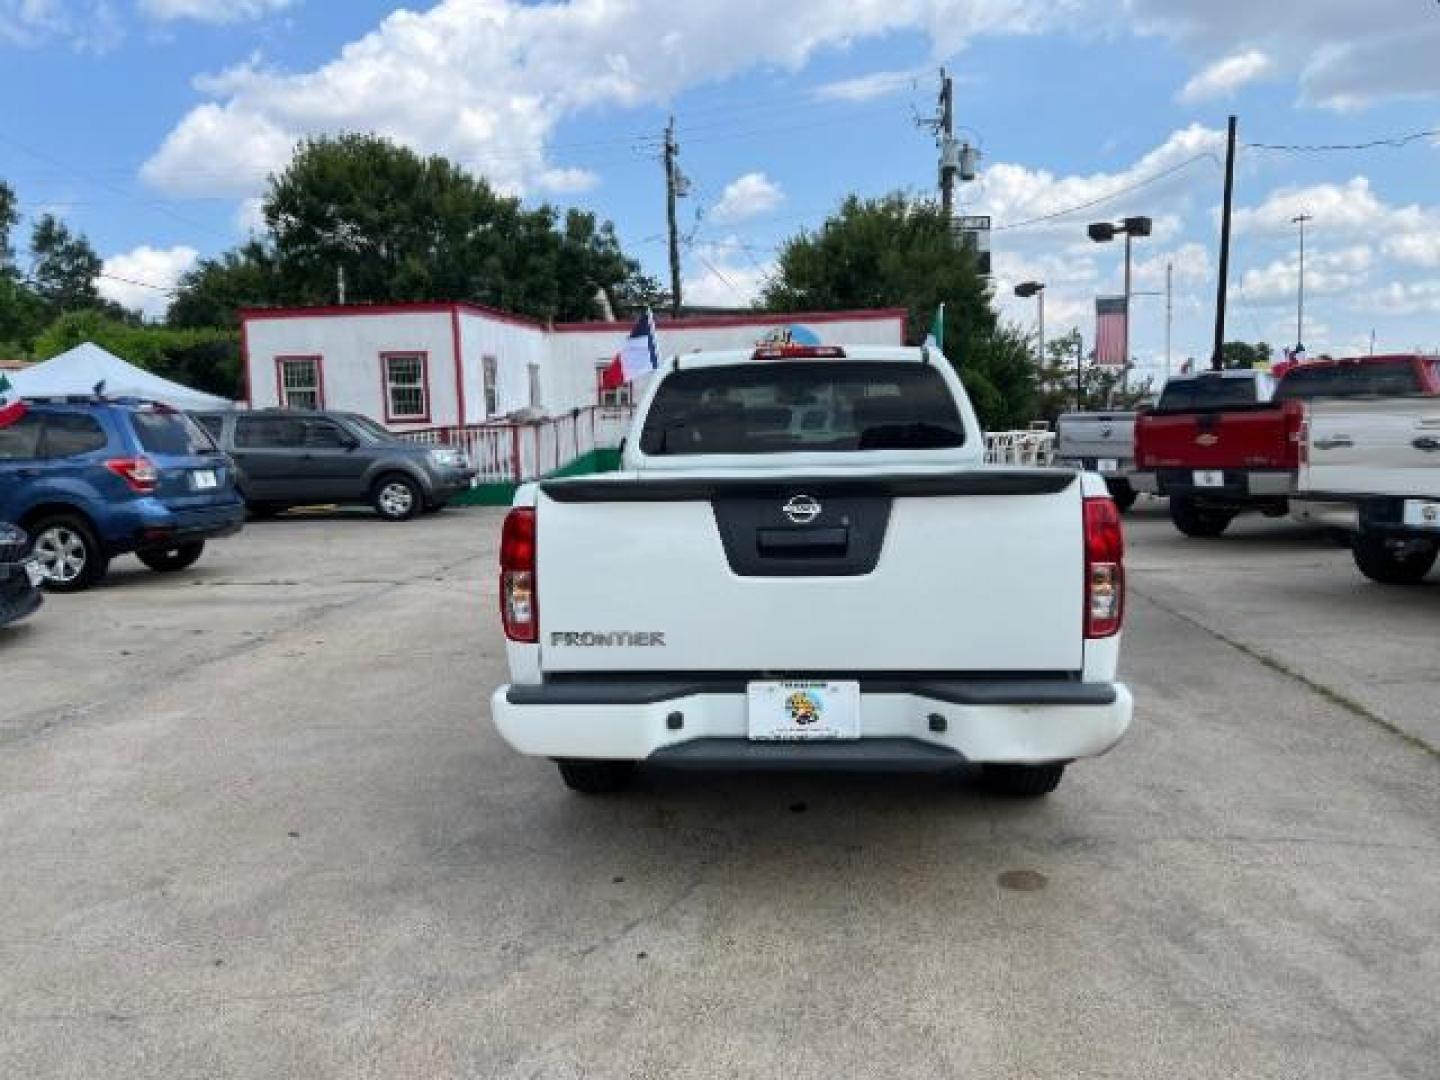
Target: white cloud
746	197
90	26
486	81
566	181
724	273
1222	78
1013	193
147	273
212	11
877	84
1406	298
1346	54
1327	273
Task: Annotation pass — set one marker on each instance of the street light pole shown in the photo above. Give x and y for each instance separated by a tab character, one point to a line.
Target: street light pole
1025	290
1125	369
1169	310
1300	219
1103	232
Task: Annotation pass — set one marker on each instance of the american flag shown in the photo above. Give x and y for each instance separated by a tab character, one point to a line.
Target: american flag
1110	331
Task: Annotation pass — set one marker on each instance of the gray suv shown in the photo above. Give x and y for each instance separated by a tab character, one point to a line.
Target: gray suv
293	457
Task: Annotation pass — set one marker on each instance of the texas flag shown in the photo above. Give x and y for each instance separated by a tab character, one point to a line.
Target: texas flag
640	355
12	408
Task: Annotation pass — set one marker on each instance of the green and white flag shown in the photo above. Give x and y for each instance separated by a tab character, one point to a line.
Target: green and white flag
936	338
12	408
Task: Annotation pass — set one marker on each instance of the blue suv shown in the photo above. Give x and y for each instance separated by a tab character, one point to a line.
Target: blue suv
91	478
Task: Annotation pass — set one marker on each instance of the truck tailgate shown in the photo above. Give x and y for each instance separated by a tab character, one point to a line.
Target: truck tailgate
1383	446
1261	437
976	570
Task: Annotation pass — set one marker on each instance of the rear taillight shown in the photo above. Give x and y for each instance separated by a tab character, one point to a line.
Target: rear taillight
138	473
519	605
1104	568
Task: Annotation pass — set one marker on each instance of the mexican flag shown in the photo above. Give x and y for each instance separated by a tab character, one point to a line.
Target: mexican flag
936	338
12	408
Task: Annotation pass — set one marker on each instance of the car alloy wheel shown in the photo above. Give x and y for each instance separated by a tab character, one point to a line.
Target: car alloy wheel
61	553
397	499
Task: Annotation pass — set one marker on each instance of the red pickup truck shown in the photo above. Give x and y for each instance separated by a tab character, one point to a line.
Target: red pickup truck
1220	443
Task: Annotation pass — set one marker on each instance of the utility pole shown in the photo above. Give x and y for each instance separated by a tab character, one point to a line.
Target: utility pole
1169	311
949	160
1300	219
958	164
672	172
1079	372
1217	355
340	285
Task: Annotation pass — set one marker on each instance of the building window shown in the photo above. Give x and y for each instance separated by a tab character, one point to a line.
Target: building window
407	386
614	398
534	371
490	371
302	386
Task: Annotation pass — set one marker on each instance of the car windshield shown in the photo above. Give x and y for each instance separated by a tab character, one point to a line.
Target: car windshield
1389	378
1207	392
804	406
370	429
169	433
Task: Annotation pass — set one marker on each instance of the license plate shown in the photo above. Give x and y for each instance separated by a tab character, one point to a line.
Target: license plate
804	710
1210	478
1422	513
203	480
34	573
1107	464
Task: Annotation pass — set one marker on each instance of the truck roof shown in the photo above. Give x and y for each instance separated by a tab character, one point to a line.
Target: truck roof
725	357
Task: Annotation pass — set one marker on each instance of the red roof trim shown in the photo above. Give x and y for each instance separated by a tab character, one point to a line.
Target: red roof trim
707	322
759	318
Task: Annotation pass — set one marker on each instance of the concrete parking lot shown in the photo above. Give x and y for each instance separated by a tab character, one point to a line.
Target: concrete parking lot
254	822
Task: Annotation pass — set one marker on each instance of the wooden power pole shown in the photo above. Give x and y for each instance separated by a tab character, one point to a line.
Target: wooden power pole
672	151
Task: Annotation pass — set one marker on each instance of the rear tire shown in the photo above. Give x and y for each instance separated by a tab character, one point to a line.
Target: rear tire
1123	494
1194	520
1392	562
396	497
1023	781
590	777
169	560
69	553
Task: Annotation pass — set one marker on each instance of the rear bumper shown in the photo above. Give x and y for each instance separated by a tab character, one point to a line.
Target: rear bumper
160	527
934	724
1241	486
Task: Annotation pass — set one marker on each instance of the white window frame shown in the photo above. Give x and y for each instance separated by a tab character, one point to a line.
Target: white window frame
420	357
285	389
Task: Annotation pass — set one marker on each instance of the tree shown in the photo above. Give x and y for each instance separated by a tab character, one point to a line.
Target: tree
64	268
213	291
9	218
1100	387
1241	354
404	227
899	252
205	358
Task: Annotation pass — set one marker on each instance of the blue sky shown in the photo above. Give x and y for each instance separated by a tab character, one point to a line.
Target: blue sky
151	124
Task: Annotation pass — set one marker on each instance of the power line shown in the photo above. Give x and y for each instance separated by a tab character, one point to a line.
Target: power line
1109	197
1394	142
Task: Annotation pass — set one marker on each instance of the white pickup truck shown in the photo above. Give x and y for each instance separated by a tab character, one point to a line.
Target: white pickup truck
1371	466
804	563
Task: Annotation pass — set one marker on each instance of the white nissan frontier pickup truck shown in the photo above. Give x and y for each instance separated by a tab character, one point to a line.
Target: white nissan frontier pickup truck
804	562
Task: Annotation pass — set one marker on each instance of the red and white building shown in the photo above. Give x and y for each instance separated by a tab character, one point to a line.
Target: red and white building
455	365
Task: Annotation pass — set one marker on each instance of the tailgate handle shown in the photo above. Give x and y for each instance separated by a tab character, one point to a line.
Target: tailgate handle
1334	443
1426	443
802	543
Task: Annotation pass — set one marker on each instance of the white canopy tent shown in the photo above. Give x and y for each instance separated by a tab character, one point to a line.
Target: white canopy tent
83	367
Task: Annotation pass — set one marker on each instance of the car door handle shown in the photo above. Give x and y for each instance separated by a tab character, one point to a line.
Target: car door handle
1335	442
1426	443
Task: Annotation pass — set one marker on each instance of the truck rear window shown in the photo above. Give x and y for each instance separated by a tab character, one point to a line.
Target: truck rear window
1385	379
802	406
1206	392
